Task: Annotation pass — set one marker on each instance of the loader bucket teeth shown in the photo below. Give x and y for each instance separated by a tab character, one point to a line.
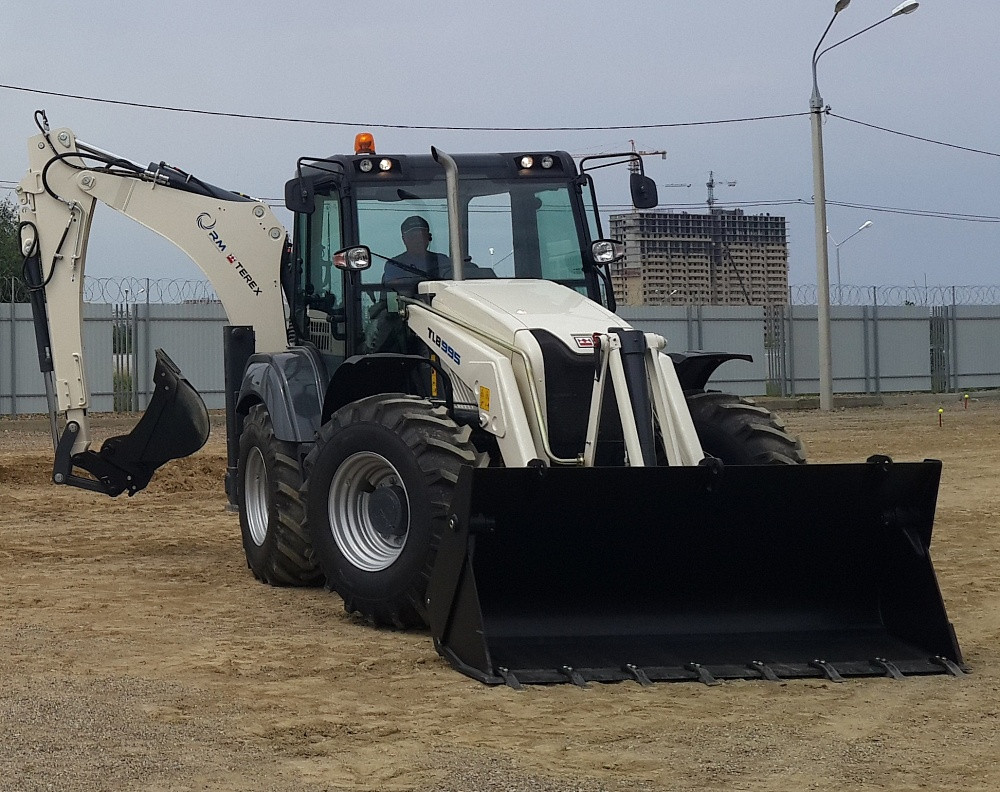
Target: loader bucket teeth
174	425
688	573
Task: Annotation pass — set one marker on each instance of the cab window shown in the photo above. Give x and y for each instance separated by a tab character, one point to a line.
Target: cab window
322	284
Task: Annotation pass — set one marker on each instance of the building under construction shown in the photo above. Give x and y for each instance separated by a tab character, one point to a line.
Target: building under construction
724	257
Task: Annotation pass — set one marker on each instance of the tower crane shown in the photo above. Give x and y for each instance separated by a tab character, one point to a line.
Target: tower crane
711	183
633	166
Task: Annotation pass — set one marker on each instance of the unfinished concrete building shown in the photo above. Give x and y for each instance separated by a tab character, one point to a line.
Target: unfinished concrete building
725	257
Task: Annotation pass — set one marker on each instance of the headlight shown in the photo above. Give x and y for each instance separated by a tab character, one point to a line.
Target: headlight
366	165
527	162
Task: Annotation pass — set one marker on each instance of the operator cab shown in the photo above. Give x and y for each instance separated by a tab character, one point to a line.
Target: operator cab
522	215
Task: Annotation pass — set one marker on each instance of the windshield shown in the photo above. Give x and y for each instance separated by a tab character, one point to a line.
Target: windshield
511	229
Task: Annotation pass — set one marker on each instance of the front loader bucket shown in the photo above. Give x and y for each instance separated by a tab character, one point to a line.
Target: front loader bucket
692	573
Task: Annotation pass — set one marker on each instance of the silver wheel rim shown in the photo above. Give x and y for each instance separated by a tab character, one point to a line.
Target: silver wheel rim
357	538
255	495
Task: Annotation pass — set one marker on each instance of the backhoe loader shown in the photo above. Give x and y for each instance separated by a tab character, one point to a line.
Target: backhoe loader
433	410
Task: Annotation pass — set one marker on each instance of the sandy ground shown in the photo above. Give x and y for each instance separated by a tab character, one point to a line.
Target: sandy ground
138	653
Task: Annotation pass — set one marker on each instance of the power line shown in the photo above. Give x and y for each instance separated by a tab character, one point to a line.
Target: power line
969	218
916	137
359	124
7	184
442	127
965	217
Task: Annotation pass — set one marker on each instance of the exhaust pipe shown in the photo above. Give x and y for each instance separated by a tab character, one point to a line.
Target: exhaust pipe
454	222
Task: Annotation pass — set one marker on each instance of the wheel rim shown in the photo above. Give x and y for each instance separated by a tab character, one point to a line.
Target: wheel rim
255	496
364	486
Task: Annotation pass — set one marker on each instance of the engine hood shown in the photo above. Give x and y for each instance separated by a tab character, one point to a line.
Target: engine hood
502	308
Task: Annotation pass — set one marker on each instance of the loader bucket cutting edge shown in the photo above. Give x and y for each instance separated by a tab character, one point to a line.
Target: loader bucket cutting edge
692	573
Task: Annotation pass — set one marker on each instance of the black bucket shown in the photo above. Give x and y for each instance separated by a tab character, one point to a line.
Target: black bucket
657	573
174	425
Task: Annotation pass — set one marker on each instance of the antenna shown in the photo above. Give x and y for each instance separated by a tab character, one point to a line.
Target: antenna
711	189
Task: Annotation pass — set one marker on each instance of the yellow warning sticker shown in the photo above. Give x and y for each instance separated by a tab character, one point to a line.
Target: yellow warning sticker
484	398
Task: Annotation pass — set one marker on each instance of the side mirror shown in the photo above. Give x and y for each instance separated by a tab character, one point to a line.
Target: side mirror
354	258
300	196
643	191
607	251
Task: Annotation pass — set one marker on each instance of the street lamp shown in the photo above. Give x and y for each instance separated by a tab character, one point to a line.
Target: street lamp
836	245
819	200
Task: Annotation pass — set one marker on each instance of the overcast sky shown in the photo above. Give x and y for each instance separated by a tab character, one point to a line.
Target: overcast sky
931	74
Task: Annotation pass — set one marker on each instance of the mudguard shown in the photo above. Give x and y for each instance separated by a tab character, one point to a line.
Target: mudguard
692	573
694	369
291	384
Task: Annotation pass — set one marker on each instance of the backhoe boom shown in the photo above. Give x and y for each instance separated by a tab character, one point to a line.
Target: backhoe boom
237	242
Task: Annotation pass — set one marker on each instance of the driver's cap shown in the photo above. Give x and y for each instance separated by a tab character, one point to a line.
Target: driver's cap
412	223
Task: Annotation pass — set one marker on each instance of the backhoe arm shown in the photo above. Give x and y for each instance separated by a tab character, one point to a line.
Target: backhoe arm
237	242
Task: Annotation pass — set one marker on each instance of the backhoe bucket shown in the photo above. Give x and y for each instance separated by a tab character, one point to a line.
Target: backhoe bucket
175	425
692	573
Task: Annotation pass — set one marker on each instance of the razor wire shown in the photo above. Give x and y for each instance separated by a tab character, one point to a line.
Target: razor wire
117	291
13	290
146	290
140	290
133	291
931	296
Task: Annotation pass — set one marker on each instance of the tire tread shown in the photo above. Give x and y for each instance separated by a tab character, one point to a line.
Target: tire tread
441	447
760	435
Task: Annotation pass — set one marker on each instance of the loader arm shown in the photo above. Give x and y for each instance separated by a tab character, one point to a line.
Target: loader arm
236	242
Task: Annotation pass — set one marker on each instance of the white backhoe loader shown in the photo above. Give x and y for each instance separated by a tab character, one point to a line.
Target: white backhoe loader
433	410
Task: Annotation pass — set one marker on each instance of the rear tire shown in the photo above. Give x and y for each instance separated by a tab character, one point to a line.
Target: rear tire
378	496
739	432
271	509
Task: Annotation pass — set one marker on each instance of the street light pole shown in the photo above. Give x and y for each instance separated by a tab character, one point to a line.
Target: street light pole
819	204
836	245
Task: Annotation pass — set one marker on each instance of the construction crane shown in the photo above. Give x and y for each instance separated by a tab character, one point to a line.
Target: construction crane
711	188
633	165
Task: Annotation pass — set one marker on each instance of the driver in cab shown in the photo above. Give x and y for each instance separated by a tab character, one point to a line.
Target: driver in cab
417	263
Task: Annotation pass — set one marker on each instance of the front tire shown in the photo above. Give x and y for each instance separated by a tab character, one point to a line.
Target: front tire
271	510
739	432
381	480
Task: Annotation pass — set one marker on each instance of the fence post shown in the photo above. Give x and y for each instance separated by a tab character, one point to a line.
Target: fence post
866	347
139	381
877	352
13	349
147	352
953	363
790	349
